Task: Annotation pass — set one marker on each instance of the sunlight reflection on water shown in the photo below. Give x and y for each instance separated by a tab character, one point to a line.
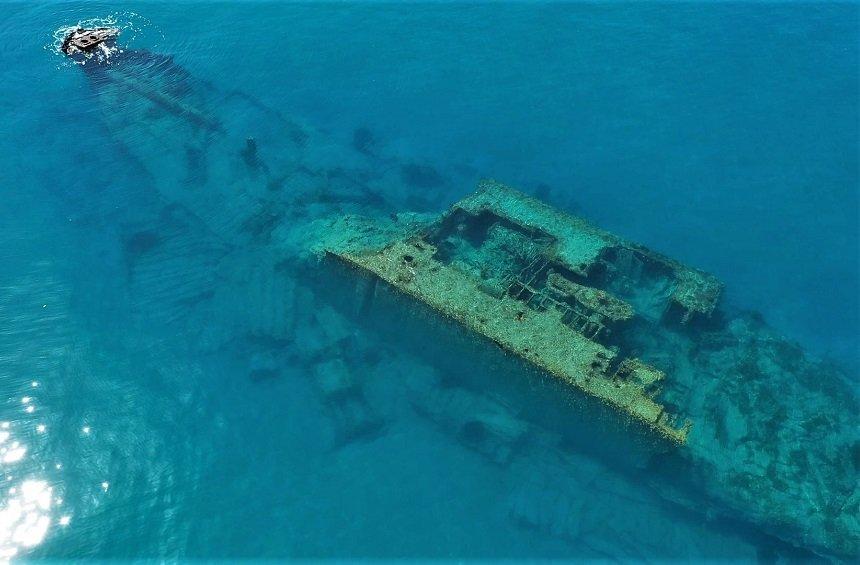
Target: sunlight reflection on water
25	509
28	499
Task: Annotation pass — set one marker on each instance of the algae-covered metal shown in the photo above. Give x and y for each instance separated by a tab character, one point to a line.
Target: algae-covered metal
548	287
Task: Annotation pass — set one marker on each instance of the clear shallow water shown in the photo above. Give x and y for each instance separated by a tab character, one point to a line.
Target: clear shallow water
724	136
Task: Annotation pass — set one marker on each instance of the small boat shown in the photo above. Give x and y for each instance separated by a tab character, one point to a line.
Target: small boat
85	41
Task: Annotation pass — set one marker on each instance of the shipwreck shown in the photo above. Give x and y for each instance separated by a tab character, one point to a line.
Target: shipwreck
545	286
246	199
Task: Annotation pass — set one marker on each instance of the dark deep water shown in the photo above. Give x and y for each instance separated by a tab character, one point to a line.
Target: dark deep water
725	136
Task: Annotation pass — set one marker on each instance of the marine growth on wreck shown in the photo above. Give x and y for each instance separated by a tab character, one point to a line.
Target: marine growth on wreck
642	333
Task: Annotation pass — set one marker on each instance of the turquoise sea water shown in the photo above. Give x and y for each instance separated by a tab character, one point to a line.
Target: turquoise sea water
135	426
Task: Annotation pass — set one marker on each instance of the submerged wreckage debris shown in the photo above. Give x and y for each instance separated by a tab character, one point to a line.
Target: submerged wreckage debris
543	285
757	430
475	420
354	418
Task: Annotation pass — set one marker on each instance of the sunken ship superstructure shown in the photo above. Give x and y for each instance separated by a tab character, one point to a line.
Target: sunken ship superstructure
545	286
